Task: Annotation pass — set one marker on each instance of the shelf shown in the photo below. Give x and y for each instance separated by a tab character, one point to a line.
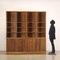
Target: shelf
11	34
8	29
40	25
41	34
41	29
41	22
25	22
29	24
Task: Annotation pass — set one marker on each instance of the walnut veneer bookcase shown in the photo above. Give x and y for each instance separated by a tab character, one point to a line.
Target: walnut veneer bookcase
26	32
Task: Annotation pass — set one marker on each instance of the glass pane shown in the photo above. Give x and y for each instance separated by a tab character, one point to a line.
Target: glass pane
18	29
41	30
18	24
8	34
41	25
8	16
18	34
39	17
39	34
18	16
29	29
8	24
30	34
43	34
8	29
29	17
11	34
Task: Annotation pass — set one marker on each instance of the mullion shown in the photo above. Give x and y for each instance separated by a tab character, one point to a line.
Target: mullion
40	24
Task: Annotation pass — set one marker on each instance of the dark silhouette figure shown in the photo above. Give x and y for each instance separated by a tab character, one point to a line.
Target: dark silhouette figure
52	36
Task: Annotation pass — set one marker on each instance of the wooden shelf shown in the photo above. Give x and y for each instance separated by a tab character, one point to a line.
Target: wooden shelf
26	32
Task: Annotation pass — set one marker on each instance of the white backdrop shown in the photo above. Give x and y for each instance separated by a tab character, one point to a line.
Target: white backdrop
52	12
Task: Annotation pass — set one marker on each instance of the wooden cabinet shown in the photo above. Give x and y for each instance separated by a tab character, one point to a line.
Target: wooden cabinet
26	32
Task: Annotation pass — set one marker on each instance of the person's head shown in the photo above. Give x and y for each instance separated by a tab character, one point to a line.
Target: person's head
52	22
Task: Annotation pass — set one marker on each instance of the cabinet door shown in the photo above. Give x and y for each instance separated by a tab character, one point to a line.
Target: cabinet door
43	44
19	45
10	45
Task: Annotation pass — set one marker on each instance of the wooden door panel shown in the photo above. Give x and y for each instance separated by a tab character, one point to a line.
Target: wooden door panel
10	45
30	45
18	45
25	45
43	44
37	45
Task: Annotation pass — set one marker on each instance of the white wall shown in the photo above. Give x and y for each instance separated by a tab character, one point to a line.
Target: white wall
52	12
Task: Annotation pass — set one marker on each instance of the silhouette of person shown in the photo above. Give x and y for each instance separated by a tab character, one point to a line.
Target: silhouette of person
52	36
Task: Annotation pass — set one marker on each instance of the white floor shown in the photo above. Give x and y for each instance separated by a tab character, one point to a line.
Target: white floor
30	57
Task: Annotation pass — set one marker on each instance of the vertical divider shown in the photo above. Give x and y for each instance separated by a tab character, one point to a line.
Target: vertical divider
34	31
26	32
36	24
16	24
36	39
16	40
26	24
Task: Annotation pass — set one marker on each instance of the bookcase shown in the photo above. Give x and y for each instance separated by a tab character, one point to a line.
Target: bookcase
26	32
